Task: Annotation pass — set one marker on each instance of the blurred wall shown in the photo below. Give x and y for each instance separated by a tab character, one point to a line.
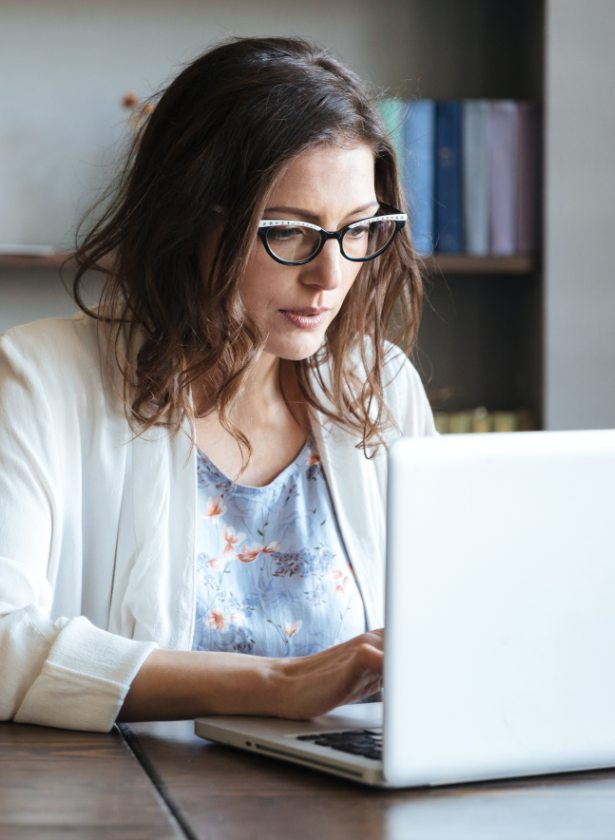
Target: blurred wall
580	215
30	295
65	64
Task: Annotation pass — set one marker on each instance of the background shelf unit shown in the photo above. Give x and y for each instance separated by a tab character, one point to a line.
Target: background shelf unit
28	263
467	264
490	326
479	341
437	263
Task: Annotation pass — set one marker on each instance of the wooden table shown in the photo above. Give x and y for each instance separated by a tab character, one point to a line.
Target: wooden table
76	785
56	785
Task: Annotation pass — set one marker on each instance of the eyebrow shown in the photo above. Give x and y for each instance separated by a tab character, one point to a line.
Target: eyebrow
298	211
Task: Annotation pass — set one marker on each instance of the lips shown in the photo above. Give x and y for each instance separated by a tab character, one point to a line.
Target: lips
305	319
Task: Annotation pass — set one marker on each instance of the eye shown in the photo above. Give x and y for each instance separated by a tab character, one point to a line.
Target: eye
358	232
284	234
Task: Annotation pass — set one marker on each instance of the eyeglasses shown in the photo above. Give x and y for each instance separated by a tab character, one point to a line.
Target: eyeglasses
296	243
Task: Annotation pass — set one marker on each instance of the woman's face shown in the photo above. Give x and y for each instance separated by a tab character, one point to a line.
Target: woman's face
294	305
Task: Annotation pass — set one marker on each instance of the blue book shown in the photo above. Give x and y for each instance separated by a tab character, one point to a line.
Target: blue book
449	222
476	169
419	171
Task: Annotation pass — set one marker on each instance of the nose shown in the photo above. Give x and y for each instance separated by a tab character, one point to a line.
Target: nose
325	271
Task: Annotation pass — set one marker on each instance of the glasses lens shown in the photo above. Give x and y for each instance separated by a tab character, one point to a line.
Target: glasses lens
368	238
293	243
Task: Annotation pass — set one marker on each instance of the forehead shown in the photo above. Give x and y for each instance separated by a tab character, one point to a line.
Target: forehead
335	177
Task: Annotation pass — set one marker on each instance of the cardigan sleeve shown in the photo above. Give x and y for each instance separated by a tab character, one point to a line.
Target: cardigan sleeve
64	672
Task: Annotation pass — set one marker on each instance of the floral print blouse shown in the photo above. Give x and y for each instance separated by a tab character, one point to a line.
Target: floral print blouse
273	578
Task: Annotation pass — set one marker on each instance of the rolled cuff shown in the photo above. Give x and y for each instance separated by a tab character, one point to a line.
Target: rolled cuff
85	679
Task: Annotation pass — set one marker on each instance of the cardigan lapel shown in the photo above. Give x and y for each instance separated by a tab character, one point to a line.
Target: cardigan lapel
161	588
358	491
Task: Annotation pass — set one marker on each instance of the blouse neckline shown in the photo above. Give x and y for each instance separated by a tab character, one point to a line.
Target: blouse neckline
280	479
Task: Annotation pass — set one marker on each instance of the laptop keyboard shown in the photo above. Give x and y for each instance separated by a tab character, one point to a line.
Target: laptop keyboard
364	742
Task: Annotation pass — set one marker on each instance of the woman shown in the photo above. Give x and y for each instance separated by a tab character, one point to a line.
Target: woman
195	472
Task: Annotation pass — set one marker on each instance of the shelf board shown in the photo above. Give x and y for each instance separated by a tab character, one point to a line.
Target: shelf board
469	264
49	261
437	263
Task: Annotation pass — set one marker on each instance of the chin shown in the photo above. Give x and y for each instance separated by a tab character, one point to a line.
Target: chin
294	351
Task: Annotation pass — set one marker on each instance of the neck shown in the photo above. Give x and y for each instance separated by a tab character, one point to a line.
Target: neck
269	410
263	383
259	390
271	387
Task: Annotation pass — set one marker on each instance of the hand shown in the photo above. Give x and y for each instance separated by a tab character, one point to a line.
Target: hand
176	685
313	685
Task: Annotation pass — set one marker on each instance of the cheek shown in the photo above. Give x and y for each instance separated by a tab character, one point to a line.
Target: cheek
260	283
349	277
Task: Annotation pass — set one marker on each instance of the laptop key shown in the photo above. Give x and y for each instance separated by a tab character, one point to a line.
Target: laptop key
366	750
356	742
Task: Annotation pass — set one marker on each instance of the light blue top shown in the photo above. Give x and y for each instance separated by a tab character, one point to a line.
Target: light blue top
273	578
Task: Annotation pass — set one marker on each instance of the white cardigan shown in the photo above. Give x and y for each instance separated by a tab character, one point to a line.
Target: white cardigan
97	526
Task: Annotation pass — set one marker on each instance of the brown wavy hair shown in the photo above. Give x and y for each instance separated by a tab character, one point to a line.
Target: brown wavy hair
221	134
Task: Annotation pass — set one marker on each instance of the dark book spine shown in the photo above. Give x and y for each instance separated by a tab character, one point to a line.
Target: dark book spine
529	179
449	221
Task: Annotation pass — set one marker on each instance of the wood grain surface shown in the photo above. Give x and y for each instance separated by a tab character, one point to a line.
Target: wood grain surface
57	784
226	794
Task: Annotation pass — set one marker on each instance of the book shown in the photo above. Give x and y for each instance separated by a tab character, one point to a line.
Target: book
392	112
480	421
471	173
419	139
441	422
475	131
503	177
459	422
529	179
504	421
448	222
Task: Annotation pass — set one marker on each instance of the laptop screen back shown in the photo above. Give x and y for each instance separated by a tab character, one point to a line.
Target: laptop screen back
500	636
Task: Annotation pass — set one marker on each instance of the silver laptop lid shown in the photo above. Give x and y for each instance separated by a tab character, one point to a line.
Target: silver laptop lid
500	638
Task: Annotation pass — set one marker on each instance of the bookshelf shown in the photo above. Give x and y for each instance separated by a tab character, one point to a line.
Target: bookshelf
480	341
27	262
485	325
519	264
437	263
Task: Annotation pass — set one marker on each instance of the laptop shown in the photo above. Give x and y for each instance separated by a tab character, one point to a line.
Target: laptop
500	620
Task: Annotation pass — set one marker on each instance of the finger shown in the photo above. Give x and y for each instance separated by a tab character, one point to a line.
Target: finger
375	638
365	666
371	658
